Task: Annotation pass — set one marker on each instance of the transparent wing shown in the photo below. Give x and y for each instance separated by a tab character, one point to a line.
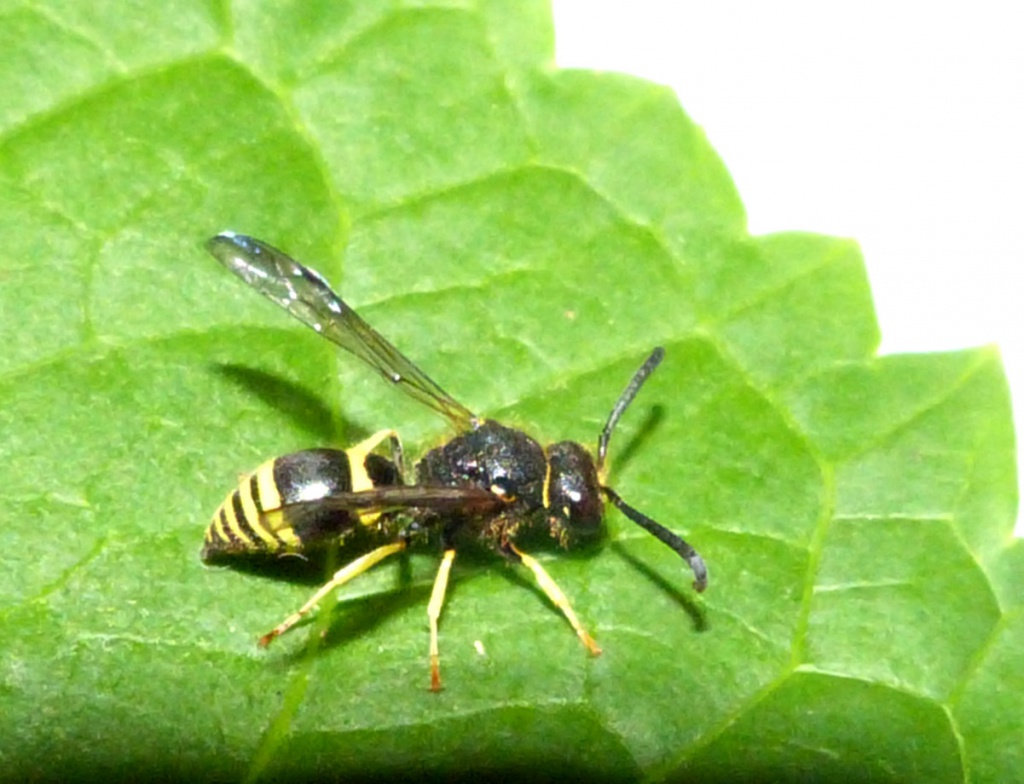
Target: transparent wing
442	499
303	293
438	498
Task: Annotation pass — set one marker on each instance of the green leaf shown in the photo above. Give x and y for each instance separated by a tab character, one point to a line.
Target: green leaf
526	235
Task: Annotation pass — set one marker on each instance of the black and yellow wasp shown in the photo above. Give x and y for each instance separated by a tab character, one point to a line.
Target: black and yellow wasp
490	482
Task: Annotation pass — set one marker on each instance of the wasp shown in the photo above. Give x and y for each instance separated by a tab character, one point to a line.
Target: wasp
490	483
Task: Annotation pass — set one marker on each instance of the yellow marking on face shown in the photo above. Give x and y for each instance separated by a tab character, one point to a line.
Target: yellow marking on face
547	483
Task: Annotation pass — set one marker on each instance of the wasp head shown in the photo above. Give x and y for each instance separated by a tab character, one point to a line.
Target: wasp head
572	493
580	483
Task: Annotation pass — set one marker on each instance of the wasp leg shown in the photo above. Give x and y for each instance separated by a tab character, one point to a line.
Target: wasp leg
434	612
342	576
554	593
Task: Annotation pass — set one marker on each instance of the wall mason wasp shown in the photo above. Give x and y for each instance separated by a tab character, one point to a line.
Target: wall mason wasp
489	483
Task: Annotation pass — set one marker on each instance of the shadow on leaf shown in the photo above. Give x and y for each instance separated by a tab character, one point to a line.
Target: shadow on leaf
652	421
678	592
306	409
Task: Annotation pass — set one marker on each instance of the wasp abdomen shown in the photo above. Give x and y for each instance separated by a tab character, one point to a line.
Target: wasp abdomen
256	517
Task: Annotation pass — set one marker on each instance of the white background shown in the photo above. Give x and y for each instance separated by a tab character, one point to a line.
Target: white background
899	124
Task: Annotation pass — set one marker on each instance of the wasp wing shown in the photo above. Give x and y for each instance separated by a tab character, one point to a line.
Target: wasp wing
435	498
305	294
324	519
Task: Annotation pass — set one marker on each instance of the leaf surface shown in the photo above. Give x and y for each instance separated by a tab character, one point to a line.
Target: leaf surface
526	235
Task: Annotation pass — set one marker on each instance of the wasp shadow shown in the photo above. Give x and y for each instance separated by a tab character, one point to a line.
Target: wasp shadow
361	615
305	408
312	568
351	617
670	588
651	422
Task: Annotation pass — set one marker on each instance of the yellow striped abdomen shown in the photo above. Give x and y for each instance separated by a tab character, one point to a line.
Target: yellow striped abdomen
254	519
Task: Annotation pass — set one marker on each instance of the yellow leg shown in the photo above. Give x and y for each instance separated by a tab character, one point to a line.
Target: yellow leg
342	576
554	593
434	612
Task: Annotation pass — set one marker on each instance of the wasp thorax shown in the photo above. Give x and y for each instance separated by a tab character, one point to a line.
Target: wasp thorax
573	492
497	458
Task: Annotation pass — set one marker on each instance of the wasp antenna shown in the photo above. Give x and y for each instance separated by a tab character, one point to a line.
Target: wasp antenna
660	532
623	402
